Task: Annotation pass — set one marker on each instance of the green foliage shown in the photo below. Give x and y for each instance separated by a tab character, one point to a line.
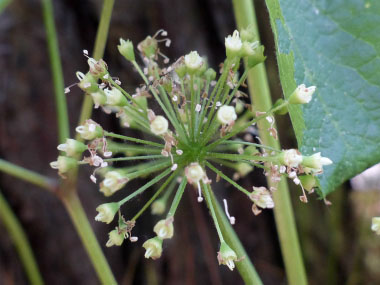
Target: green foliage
334	45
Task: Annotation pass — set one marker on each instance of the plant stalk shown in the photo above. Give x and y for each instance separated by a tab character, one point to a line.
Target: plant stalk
245	267
260	96
56	69
20	242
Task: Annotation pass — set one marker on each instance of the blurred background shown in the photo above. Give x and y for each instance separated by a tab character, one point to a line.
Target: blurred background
337	244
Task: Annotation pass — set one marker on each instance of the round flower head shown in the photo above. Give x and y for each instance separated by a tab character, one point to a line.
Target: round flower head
159	125
291	158
64	164
376	225
90	130
116	237
153	248
72	147
227	256
193	61
107	212
302	94
164	229
226	115
233	44
315	163
194	173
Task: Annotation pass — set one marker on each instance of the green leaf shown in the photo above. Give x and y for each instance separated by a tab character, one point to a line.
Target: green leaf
334	45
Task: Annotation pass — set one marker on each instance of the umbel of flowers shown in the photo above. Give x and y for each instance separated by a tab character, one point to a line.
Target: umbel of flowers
195	134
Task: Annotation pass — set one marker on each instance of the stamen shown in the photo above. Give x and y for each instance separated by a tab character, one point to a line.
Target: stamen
198	108
179	151
232	219
93	178
200	198
174	167
80	75
85	52
133	239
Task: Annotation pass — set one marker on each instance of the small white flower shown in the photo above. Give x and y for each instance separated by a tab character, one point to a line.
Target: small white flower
376	225
106	212
159	125
193	61
302	94
194	173
90	130
114	181
164	229
116	237
291	158
227	256
233	44
315	163
72	147
64	164
153	248
115	97
226	115
262	197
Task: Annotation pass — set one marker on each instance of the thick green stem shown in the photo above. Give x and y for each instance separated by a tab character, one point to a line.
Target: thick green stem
245	267
56	69
260	96
100	44
83	227
27	175
20	241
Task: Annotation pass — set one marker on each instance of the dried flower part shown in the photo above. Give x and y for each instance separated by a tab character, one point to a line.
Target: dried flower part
153	248
164	228
262	197
314	164
106	212
227	256
98	68
302	94
226	115
159	125
116	237
376	225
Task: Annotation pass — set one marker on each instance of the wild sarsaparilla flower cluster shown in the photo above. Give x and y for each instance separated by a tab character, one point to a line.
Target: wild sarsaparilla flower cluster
193	137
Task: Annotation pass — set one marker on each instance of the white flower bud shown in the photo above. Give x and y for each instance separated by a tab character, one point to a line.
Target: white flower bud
164	229
194	173
90	130
233	44
193	61
107	212
126	49
87	82
99	98
115	98
291	158
376	225
227	256
262	197
302	94
72	147
64	164
116	237
159	125
153	248
226	115
315	163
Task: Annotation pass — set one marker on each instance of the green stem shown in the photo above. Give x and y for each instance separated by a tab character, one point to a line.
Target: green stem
27	175
177	198
83	227
20	242
56	69
245	267
100	43
260	94
113	135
